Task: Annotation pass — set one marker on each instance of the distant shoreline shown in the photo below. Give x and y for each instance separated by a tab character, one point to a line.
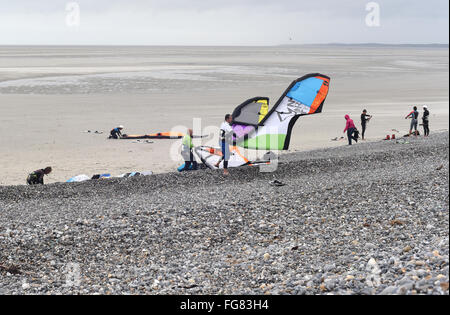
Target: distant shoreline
373	45
430	45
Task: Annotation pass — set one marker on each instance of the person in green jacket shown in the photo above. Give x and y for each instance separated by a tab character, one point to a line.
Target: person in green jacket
186	152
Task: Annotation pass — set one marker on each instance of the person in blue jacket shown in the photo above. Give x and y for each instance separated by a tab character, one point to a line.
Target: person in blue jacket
116	133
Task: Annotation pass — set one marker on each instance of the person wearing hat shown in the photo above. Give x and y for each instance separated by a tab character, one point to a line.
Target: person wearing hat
365	118
116	133
426	121
37	177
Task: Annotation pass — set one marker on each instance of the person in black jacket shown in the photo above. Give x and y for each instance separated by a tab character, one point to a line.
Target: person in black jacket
365	118
37	177
426	121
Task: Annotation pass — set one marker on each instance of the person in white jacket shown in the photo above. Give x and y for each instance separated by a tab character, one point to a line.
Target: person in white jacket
226	139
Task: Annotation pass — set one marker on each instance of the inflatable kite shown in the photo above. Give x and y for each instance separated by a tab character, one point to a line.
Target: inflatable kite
258	128
159	136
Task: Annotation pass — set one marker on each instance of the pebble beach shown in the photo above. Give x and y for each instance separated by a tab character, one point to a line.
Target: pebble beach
368	219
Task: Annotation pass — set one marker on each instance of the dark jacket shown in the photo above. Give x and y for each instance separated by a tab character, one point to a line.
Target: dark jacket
426	116
37	177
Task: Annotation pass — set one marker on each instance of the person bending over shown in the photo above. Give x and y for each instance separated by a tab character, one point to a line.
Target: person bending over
186	152
350	128
116	133
37	177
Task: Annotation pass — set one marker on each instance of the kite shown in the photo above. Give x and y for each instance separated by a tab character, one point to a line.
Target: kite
159	136
210	156
257	128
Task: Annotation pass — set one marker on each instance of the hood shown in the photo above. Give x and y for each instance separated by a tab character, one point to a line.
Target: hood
347	117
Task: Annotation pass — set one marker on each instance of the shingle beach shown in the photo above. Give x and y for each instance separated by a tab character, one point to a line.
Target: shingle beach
368	219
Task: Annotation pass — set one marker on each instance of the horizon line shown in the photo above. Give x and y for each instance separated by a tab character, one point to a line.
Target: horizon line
230	45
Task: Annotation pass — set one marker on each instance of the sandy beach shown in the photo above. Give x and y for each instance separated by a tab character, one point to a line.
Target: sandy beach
49	97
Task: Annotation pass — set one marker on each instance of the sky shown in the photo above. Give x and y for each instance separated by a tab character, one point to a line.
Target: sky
222	22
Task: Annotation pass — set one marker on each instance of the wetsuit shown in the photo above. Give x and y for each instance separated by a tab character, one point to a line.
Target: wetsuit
226	139
426	122
364	120
415	119
187	154
36	178
116	133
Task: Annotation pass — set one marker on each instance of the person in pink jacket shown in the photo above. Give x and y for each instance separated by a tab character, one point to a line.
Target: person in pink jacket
350	128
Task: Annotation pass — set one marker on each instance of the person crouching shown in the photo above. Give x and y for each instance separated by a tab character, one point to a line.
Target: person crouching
116	133
37	177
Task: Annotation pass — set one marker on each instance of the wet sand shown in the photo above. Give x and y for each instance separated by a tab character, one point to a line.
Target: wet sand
50	95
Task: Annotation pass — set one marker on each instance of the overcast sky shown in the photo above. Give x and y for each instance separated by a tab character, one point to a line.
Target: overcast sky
221	22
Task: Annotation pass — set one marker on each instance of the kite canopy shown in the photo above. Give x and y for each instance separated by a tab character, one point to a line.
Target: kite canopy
261	130
78	179
210	156
251	112
159	136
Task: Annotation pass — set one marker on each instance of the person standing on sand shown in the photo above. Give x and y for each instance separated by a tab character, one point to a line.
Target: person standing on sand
226	139
350	128
37	177
426	121
414	115
187	153
365	118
